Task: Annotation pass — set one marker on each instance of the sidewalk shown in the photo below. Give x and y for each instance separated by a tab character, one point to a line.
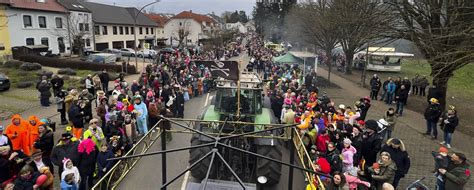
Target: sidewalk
409	129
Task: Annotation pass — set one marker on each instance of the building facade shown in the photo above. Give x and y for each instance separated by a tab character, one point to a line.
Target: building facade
78	24
114	27
40	22
5	48
188	28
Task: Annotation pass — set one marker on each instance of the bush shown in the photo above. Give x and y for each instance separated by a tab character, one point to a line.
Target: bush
74	64
13	64
25	84
67	71
48	74
30	66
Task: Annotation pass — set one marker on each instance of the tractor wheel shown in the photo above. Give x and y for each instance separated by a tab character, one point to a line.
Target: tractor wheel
200	170
271	170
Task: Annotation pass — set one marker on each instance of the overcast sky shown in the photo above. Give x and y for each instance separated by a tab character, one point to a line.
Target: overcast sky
176	6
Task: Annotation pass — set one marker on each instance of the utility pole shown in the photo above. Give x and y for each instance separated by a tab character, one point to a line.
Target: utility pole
135	33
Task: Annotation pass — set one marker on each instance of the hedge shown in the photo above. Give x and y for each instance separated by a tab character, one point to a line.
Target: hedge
74	64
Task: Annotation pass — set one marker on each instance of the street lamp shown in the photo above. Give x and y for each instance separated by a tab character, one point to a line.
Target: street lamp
135	32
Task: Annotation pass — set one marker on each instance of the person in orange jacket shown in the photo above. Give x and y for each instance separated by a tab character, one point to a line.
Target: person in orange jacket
17	131
33	133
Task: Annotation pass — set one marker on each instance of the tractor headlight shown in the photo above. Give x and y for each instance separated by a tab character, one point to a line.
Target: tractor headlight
262	179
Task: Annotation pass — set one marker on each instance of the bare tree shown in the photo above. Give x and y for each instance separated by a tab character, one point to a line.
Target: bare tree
76	30
311	22
443	31
360	22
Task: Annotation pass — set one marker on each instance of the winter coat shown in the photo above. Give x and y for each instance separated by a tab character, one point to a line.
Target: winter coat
449	124
45	143
385	84
104	77
433	112
407	84
45	90
153	110
457	176
65	186
62	151
348	158
386	174
75	116
321	143
19	135
334	159
72	170
423	83
391	120
96	136
57	83
357	144
371	145
87	163
33	133
324	165
102	161
400	157
391	87
26	184
402	95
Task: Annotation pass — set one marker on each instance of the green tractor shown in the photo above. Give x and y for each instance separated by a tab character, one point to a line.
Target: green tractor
242	102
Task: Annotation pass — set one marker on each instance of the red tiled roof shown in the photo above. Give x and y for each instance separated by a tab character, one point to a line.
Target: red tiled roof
48	5
197	17
159	19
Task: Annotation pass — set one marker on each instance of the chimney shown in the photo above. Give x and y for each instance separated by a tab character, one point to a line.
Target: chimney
191	11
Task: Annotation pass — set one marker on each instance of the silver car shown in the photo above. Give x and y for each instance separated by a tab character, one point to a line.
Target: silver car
127	52
116	52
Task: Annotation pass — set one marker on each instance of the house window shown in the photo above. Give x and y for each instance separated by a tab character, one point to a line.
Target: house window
104	30
140	30
132	30
30	41
86	27
81	27
126	30
114	30
59	22
121	30
97	30
152	31
88	42
146	30
27	21
42	21
45	41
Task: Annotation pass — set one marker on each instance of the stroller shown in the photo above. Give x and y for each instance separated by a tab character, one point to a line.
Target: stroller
417	185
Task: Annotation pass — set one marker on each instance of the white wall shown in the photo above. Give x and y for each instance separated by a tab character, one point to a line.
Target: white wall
19	34
236	26
110	37
172	27
82	17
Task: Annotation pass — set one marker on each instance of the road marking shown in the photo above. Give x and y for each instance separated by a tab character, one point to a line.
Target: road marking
207	99
185	181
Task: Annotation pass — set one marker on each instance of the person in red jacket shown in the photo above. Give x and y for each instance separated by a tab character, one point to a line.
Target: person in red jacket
322	140
322	165
17	131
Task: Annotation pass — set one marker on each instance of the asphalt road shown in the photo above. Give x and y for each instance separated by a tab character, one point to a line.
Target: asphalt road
147	173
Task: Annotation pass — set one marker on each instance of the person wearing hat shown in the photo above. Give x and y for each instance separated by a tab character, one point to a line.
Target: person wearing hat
449	122
432	114
371	142
457	173
441	161
348	153
65	149
17	132
399	155
95	132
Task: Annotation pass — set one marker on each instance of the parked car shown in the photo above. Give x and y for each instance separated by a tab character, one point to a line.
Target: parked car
147	53
127	52
4	82
118	53
102	58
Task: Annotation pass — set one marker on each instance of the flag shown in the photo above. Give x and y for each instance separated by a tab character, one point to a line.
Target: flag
225	69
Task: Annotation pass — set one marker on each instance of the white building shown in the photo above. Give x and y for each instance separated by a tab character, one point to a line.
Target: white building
37	22
236	26
78	23
195	27
114	27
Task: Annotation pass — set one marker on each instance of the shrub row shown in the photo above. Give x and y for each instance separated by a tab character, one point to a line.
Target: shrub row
74	64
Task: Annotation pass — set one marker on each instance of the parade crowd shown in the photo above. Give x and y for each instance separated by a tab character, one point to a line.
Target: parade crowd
101	122
357	152
352	152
